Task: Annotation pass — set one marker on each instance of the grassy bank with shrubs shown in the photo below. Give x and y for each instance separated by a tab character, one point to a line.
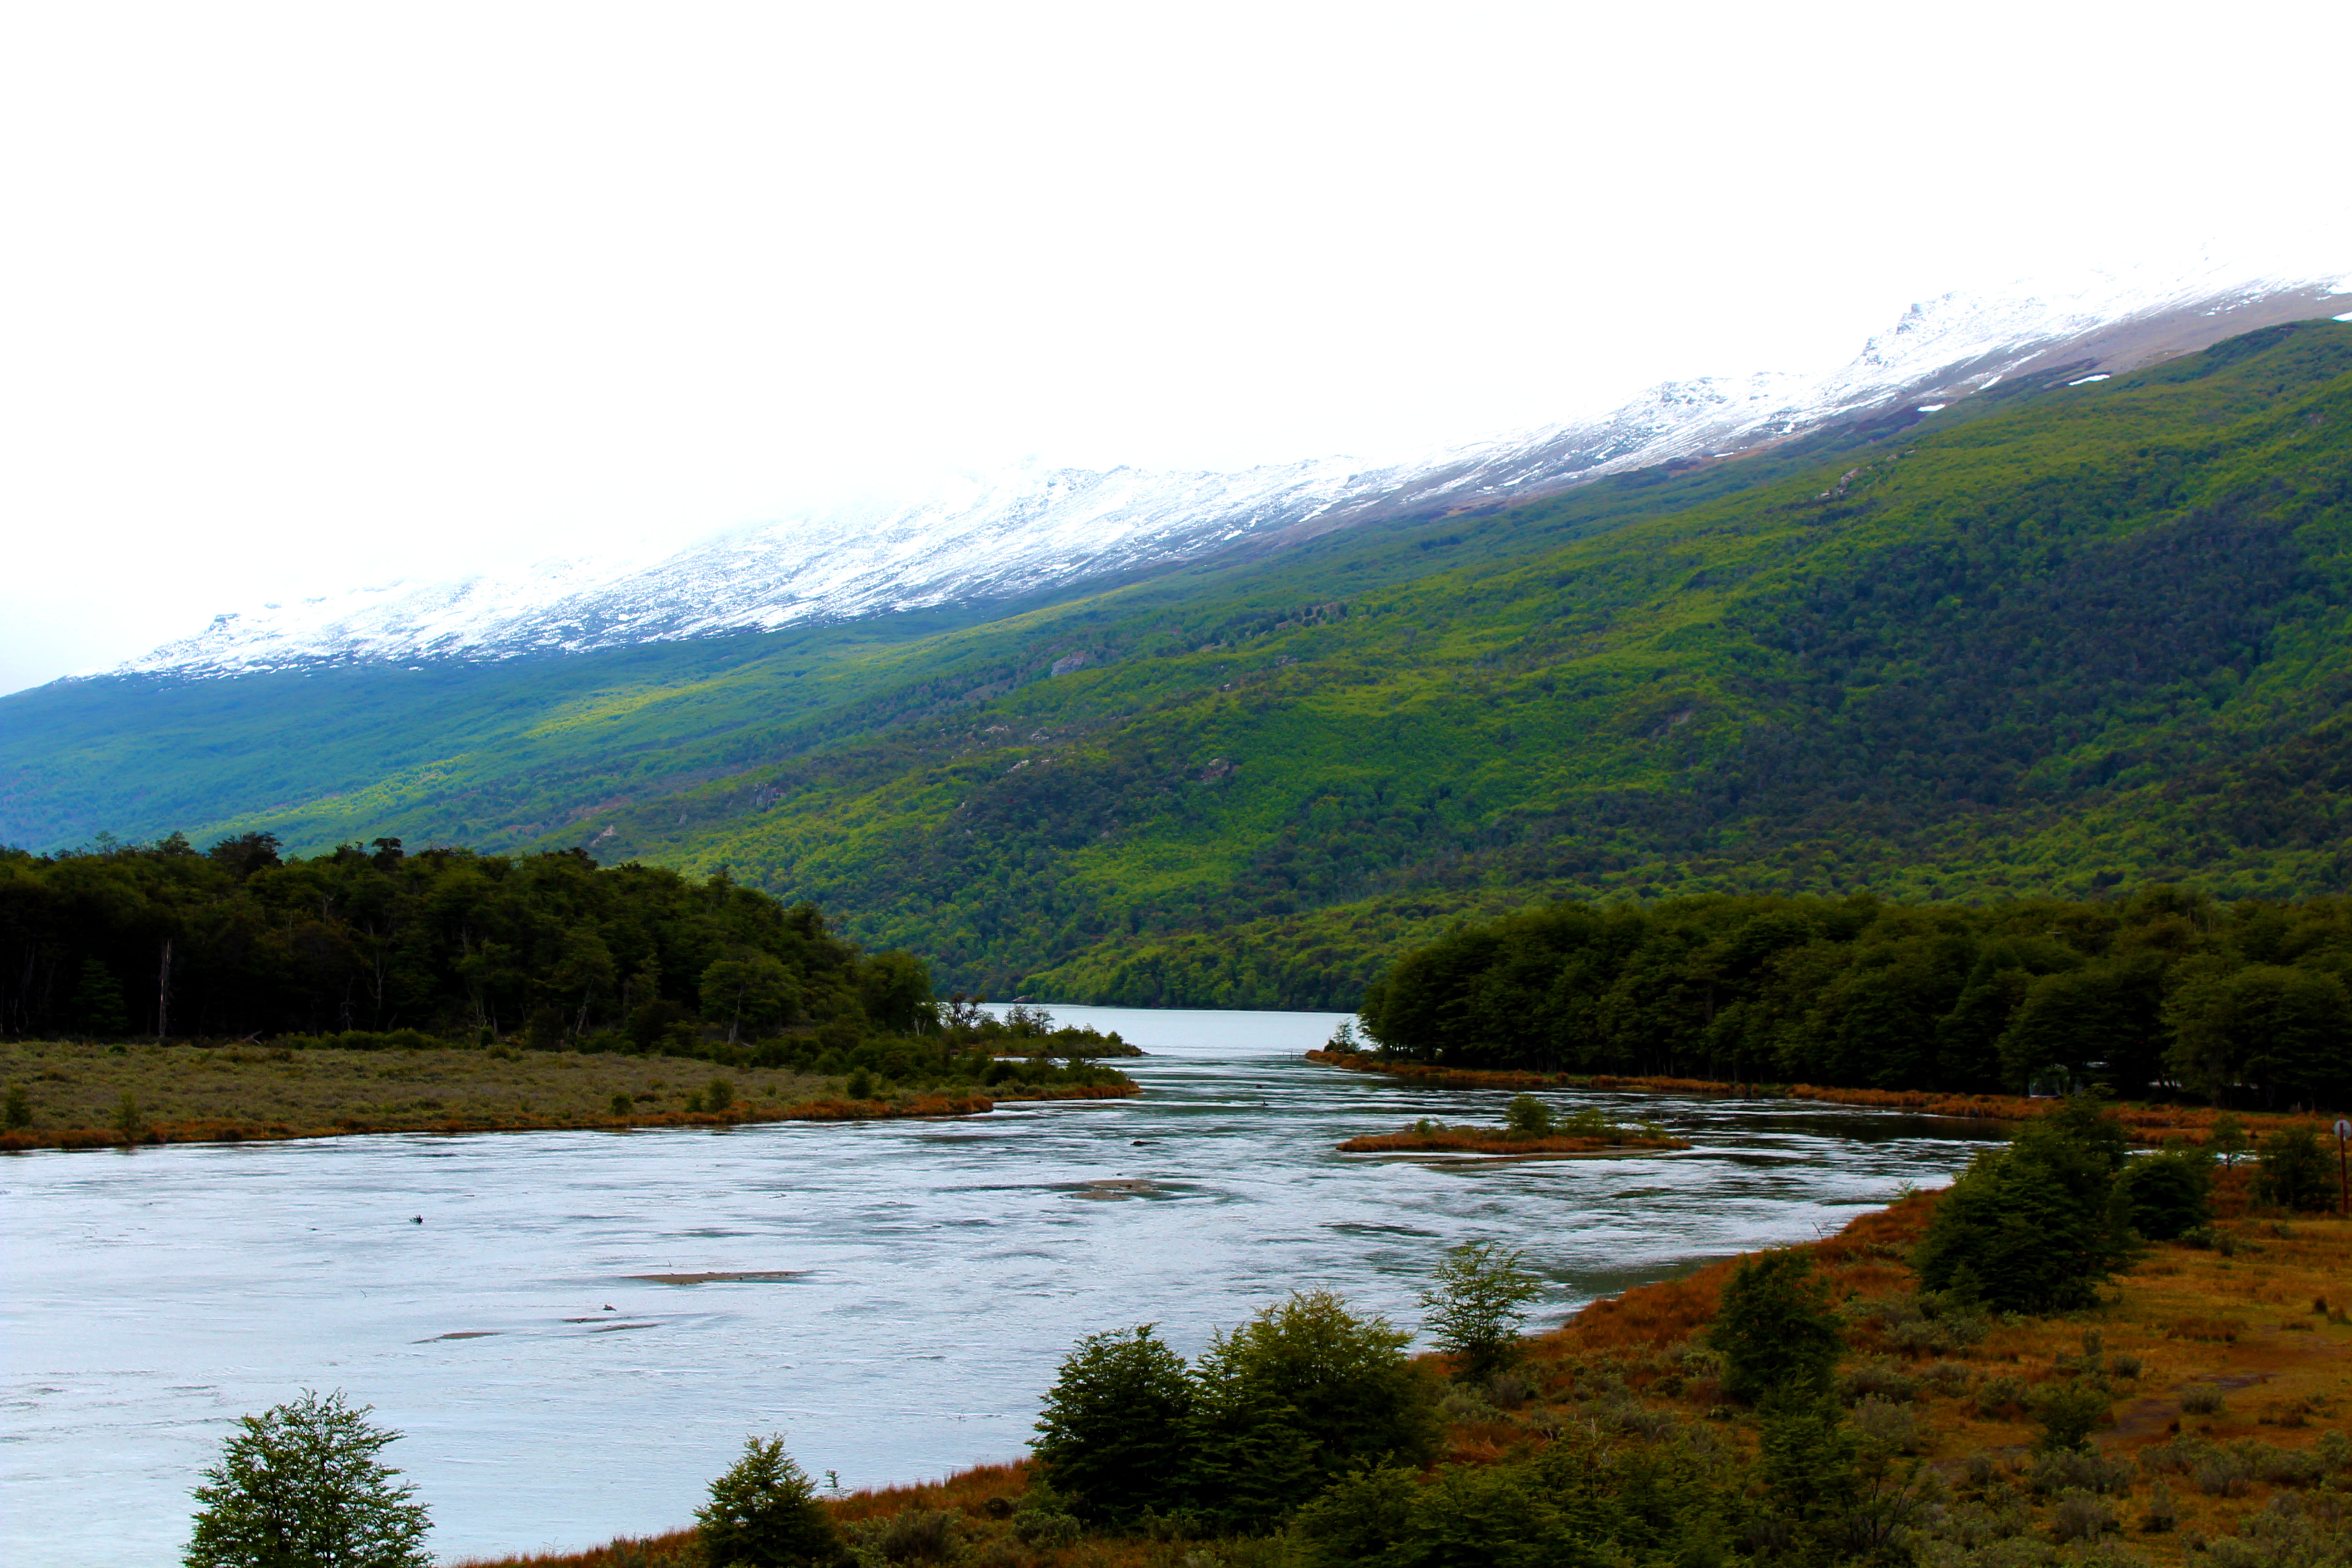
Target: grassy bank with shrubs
1922	1388
71	1095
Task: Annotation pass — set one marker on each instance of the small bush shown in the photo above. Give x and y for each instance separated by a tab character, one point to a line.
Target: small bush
2123	1364
1775	1329
860	1085
1948	1378
1042	1523
2293	1172
719	1095
2221	1472
1508	1391
2080	1517
2162	1514
1889	1425
764	1513
2079	1470
1527	1117
2286	1466
1875	1380
17	1109
914	1535
2169	1193
1476	1305
2335	1451
1998	1396
622	1105
2202	1399
2069	1413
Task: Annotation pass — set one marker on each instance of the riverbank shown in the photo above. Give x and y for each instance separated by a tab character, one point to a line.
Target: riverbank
91	1095
2227	1364
2209	1353
2150	1123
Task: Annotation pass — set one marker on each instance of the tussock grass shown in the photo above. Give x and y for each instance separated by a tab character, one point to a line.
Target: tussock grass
94	1096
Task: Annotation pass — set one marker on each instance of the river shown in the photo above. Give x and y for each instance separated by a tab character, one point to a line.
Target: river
911	1285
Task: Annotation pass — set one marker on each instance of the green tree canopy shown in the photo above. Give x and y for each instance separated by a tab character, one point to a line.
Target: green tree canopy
299	1485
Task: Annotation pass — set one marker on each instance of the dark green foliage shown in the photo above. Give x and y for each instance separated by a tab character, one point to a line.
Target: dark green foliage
1527	1117
2289	1029
1276	1410
2069	1413
444	940
98	1007
1113	1432
1776	1330
2170	1191
2295	1172
1477	1302
1308	1387
2036	1225
1465	1516
17	1112
1853	991
1583	1500
764	1513
299	1485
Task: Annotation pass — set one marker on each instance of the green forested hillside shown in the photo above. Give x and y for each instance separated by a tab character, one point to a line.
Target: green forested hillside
2050	640
2088	636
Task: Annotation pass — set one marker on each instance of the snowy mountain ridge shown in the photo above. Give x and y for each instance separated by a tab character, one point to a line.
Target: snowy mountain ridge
1028	531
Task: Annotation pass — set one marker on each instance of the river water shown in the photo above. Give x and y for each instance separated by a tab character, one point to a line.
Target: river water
912	1285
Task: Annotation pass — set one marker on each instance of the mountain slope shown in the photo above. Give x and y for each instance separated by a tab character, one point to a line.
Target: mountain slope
2078	636
1018	535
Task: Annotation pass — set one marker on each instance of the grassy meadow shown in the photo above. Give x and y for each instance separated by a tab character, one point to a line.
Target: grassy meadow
76	1095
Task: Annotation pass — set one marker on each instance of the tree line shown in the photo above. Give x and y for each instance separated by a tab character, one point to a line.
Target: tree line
2164	991
240	941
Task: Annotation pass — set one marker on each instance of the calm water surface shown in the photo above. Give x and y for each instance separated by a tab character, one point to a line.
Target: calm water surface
919	1281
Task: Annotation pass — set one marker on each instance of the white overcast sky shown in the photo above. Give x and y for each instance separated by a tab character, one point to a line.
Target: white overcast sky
294	298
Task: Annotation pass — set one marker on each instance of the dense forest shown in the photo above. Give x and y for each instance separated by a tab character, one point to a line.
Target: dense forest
238	940
2163	991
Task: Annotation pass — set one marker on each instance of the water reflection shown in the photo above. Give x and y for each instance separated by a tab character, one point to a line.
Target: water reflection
586	1324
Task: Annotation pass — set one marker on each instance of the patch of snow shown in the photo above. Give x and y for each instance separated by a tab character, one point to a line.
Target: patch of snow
1028	530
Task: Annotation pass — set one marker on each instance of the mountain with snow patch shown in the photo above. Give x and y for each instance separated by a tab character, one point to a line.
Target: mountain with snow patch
1026	533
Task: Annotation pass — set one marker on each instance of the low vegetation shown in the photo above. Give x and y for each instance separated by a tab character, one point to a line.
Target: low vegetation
1530	1129
73	1095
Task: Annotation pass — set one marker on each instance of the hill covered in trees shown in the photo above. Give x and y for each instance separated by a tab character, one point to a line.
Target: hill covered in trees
2056	639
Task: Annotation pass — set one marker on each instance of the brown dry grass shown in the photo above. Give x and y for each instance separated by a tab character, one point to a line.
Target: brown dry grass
203	1094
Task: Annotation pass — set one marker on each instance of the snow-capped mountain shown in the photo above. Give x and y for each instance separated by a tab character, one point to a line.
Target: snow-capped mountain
1028	530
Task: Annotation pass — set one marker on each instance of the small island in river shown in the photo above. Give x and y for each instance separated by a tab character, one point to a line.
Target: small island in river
1530	1130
